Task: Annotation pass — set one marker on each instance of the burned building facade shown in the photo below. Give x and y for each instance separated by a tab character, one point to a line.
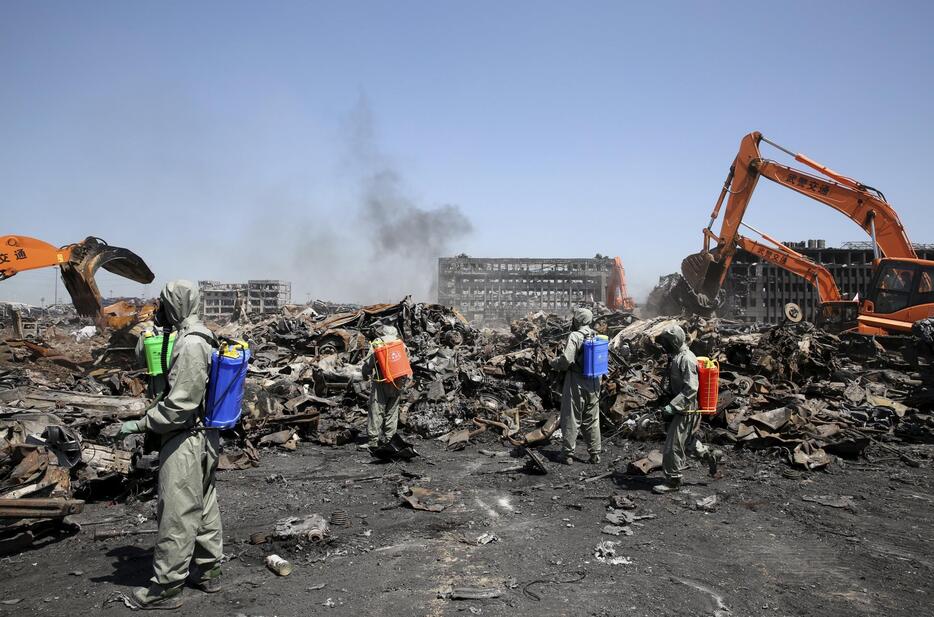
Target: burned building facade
757	290
220	300
495	291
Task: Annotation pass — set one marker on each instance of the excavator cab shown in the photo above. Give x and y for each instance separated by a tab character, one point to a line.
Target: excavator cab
901	293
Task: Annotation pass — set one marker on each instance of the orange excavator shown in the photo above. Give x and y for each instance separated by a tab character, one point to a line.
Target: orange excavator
78	264
835	313
617	296
902	287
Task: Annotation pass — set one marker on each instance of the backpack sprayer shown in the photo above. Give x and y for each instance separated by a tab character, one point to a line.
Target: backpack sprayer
595	356
392	360
226	375
708	377
158	349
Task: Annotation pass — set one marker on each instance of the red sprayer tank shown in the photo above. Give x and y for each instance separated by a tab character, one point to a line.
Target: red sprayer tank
708	374
393	360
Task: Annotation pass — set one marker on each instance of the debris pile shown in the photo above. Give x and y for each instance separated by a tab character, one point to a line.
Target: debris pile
673	295
794	389
307	374
797	389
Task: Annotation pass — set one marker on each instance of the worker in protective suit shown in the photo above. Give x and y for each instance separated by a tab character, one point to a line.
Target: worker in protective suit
580	397
188	517
383	415
682	436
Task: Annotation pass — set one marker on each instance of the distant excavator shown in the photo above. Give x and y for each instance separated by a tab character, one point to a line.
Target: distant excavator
78	264
617	295
902	287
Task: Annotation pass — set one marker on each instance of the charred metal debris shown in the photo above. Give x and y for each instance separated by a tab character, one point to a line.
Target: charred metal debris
804	394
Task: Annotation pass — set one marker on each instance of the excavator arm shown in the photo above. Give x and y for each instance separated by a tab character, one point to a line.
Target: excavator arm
78	263
19	253
617	295
796	263
900	293
873	214
706	271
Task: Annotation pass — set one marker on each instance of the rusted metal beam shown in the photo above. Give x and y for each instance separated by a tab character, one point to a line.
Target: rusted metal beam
39	508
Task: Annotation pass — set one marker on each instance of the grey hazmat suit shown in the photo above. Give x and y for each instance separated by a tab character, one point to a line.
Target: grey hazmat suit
188	517
383	414
580	397
682	432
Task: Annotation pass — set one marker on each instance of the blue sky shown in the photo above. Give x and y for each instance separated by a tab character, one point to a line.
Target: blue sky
236	140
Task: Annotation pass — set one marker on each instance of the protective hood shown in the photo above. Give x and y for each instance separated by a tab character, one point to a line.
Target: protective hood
388	332
671	339
181	301
581	317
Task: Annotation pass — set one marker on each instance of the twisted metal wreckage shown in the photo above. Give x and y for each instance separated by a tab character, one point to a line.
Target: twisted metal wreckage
805	394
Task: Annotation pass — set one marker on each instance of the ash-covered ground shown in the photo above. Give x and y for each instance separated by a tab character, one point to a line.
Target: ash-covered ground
852	540
823	507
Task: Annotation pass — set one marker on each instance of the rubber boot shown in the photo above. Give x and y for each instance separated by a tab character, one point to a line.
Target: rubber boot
210	581
594	459
713	462
155	597
671	485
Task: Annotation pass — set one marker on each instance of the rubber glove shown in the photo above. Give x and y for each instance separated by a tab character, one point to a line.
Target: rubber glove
128	428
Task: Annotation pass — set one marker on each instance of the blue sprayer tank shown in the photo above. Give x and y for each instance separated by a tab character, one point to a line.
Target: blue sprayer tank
596	356
225	385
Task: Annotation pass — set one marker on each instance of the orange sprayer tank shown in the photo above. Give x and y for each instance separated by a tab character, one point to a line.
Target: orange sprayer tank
708	374
392	359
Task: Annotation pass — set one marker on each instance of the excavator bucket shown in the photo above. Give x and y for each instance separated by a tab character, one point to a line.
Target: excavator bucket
87	258
694	269
698	288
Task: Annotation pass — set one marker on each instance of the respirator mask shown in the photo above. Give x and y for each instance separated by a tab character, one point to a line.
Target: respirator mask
160	318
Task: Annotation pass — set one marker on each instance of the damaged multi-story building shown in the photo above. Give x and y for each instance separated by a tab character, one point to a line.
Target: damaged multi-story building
221	300
493	291
757	291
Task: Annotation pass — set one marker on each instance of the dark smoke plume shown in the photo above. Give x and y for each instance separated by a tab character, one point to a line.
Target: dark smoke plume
382	248
410	235
401	227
